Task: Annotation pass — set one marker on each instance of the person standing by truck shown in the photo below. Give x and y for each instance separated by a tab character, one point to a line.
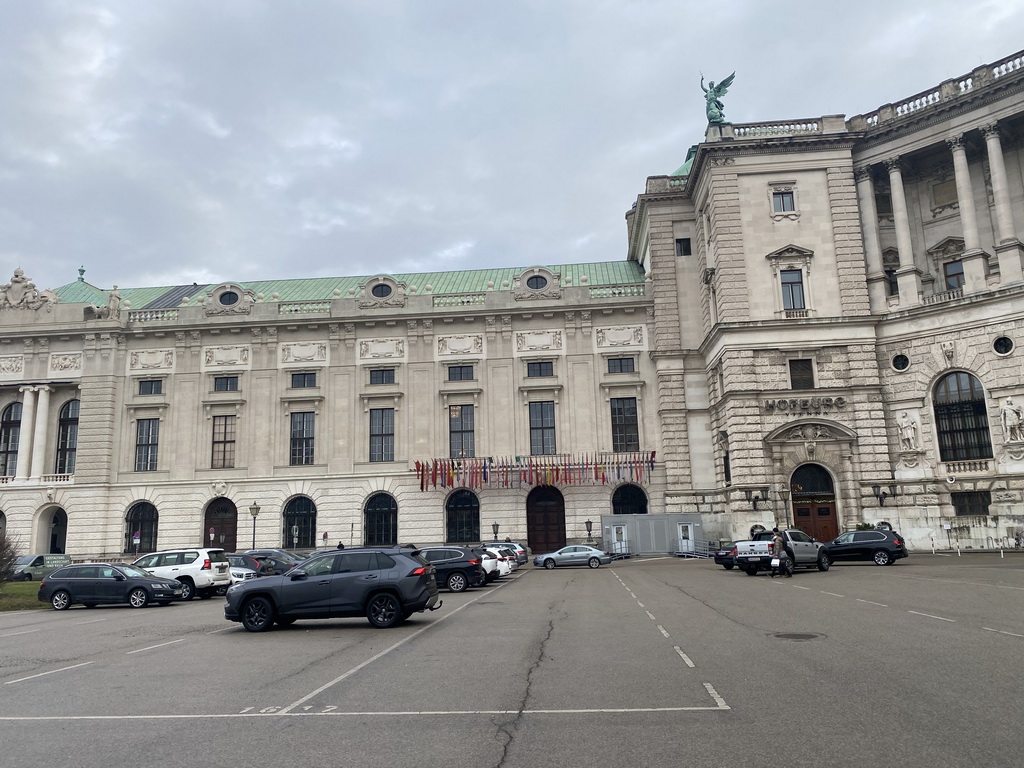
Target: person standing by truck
779	552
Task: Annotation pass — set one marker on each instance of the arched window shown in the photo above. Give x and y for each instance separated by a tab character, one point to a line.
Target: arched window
10	432
629	500
961	418
463	513
381	521
67	438
141	522
300	523
3	524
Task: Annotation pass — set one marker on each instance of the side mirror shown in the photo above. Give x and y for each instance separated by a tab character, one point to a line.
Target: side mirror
118	576
298	575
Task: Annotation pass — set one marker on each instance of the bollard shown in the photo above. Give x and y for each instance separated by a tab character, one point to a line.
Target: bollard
958	548
933	544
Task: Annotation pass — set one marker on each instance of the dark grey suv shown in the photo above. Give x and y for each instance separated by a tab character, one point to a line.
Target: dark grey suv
384	584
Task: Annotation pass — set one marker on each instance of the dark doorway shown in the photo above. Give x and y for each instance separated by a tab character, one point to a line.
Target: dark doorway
545	519
629	500
58	532
222	519
814	502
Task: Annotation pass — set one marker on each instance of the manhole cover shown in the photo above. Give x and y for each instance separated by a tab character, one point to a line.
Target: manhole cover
797	636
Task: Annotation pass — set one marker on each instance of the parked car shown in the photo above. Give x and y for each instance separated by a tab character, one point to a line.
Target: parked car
201	571
457	567
274	565
726	556
522	556
574	554
280	554
385	584
35	567
803	552
92	584
884	547
248	562
503	566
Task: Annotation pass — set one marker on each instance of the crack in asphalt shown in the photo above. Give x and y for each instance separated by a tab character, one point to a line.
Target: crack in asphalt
506	730
708	605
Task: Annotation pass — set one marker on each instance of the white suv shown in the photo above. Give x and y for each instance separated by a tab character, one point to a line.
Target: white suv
201	571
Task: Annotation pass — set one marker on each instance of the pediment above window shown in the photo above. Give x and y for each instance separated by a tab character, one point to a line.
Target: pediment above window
947	248
382	291
790	255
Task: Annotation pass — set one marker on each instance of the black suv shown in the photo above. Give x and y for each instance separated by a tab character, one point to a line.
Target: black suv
884	547
384	584
457	567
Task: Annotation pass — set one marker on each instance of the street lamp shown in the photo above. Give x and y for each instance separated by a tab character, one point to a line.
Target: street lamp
784	495
495	527
254	510
590	528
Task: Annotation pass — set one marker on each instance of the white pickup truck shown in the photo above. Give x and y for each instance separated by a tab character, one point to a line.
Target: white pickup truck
804	552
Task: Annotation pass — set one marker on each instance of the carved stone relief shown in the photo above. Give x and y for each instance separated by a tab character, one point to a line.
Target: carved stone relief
472	344
65	363
21	293
621	336
226	356
304	352
527	341
377	348
151	359
12	364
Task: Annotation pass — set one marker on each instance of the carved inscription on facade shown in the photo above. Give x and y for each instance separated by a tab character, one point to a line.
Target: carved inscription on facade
621	336
815	405
471	344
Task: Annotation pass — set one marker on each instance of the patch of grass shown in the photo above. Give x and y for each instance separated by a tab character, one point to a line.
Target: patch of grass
20	596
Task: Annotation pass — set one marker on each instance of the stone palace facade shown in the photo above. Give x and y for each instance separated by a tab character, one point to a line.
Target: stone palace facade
816	325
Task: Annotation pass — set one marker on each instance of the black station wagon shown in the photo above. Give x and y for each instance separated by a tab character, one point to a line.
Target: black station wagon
92	584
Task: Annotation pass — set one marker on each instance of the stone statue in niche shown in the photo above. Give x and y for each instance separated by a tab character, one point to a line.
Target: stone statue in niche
1012	417
907	429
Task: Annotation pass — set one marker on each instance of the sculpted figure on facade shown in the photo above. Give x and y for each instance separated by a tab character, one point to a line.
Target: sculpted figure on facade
907	429
21	293
1012	417
713	96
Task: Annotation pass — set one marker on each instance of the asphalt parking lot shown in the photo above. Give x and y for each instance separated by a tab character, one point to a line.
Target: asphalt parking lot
645	662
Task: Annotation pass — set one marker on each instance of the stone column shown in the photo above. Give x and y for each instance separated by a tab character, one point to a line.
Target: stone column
42	429
28	420
908	275
974	259
1008	246
877	282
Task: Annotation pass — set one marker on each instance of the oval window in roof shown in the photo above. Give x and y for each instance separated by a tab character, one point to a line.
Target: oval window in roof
381	291
536	282
228	298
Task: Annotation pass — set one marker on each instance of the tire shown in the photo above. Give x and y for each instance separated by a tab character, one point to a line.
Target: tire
593	563
823	562
285	621
28	577
258	614
549	564
383	610
728	566
60	600
881	557
457	582
750	570
205	594
188	589
138	598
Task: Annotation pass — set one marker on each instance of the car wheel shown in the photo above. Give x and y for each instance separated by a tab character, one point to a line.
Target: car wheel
823	562
549	563
61	600
383	611
258	614
138	598
728	566
188	589
28	577
284	621
881	557
594	562
457	582
750	570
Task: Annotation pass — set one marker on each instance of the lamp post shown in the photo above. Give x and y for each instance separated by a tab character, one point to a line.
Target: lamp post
784	495
254	510
495	527
590	529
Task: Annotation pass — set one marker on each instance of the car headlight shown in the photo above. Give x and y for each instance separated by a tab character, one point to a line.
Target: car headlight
159	586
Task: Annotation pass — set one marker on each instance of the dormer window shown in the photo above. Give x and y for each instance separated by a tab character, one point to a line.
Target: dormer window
228	298
537	282
381	290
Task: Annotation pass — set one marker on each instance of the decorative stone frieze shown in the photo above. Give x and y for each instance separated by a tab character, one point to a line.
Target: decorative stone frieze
375	349
151	360
227	356
303	353
620	336
465	344
538	341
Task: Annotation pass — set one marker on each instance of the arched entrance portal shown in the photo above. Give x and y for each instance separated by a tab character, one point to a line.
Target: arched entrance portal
814	502
221	518
545	519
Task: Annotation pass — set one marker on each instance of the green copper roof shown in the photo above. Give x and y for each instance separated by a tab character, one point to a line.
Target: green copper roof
684	169
322	288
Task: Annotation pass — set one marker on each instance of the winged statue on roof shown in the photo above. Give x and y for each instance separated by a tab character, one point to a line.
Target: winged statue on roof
713	95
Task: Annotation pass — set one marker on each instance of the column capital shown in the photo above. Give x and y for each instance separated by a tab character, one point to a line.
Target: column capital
892	164
990	130
956	143
862	173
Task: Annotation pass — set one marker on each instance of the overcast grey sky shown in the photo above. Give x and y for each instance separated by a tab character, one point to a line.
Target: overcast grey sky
159	142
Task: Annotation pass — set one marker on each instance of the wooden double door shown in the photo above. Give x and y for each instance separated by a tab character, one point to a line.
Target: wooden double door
545	519
816	517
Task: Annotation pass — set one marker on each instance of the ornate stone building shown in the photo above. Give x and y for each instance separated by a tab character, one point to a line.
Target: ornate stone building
816	324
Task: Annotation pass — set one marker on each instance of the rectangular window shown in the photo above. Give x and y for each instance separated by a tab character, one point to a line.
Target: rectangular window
382	376
801	374
225	383
953	271
971	502
303	380
382	434
461	439
542	428
683	246
792	288
223	442
151	387
620	365
537	370
783	202
625	428
147	436
302	435
460	373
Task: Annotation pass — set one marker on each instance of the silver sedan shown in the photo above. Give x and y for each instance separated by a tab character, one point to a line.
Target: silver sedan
574	554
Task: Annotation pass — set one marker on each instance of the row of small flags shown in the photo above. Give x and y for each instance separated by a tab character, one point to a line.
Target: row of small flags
529	471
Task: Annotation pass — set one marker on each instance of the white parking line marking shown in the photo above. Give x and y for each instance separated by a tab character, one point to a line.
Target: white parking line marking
714	695
23	632
830	593
1002	632
650	615
91	621
684	657
42	674
664	631
869	602
161	645
796	587
940	618
222	629
640	604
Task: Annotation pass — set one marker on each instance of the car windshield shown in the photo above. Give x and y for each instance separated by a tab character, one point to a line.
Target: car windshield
24	560
132	570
